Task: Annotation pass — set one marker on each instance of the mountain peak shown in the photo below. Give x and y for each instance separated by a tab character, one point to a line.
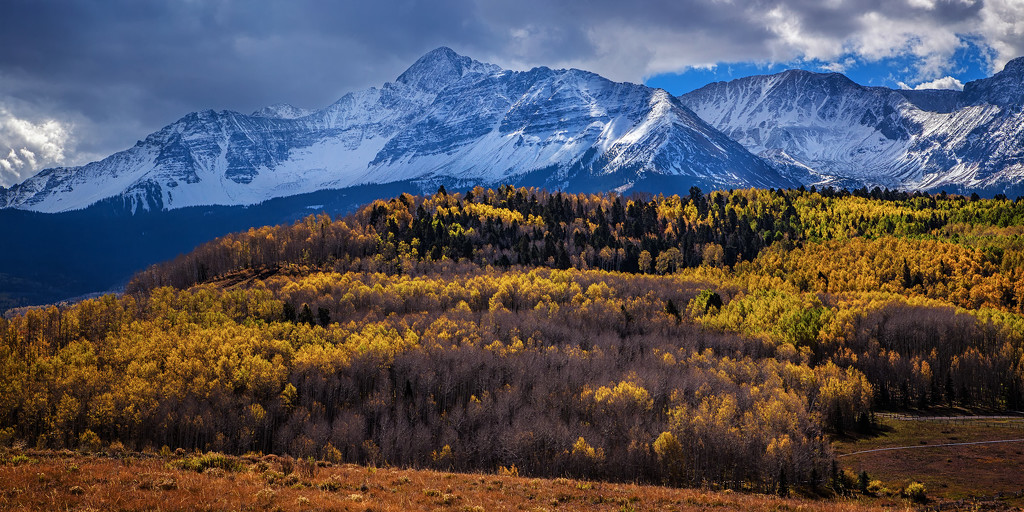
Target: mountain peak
832	79
281	111
1015	66
440	67
442	52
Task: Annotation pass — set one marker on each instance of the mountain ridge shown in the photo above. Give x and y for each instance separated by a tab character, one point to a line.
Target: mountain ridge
836	131
451	119
446	118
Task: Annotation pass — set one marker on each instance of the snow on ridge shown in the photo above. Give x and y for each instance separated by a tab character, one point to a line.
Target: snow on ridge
281	111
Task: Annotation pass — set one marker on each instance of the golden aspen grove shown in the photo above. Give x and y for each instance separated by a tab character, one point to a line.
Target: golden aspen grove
720	339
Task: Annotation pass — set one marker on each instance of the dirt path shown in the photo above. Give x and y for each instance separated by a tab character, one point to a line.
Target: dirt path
929	446
910	417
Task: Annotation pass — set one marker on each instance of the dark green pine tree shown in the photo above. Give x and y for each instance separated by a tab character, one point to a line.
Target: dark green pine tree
672	310
289	312
783	488
306	315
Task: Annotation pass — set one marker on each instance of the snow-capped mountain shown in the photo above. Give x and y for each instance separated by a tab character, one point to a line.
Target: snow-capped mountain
823	124
822	128
447	118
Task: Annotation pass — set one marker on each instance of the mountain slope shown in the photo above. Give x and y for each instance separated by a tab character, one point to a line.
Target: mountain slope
980	145
836	128
447	118
825	129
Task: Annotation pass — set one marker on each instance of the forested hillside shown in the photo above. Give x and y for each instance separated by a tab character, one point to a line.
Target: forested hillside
713	338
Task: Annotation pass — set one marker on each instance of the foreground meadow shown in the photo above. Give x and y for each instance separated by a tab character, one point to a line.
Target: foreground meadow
49	481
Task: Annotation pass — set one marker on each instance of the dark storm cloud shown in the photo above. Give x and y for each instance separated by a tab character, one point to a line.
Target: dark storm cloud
208	54
112	71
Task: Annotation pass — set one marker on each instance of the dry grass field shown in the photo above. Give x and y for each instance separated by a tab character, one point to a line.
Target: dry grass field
51	481
949	472
969	477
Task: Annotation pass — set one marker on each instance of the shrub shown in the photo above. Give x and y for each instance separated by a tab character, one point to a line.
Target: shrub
272	477
307	467
116	449
329	485
20	459
287	465
89	441
210	460
875	487
265	497
916	492
6	436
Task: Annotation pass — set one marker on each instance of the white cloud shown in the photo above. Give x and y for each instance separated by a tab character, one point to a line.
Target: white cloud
29	157
946	82
928	32
796	37
642	41
30	146
13	160
839	66
1002	28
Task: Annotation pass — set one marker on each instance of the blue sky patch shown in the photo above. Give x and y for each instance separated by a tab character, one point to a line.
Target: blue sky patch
970	62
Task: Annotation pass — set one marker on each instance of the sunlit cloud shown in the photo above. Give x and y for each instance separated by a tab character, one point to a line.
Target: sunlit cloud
946	82
30	146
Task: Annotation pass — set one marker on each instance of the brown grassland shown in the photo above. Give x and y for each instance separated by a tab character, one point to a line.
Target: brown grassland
53	480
